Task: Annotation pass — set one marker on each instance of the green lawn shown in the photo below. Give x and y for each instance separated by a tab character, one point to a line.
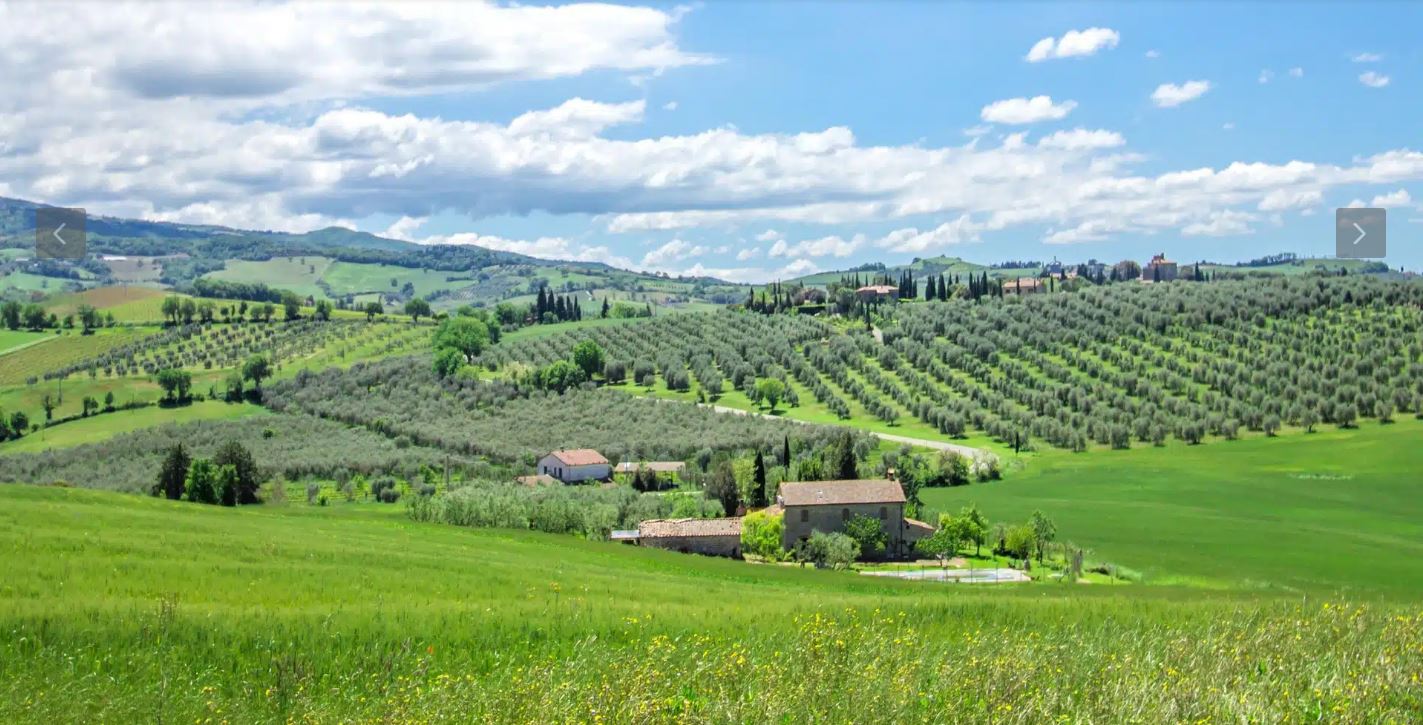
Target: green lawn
122	608
298	274
1323	511
107	425
35	283
350	278
15	339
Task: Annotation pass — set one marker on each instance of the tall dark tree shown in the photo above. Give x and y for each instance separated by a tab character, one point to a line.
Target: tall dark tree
760	497
172	476
721	486
786	451
842	462
244	469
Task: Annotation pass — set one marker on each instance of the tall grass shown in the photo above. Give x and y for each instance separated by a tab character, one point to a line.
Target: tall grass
126	609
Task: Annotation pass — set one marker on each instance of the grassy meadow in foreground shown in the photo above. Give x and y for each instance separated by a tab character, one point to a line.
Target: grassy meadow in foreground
122	608
1334	510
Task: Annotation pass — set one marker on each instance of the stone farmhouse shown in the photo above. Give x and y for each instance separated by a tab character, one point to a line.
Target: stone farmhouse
1025	286
574	466
874	292
826	506
1159	268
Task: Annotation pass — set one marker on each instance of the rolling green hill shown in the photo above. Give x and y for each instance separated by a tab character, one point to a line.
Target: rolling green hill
181	612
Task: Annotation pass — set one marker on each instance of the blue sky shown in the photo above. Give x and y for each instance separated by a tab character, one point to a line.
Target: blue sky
750	141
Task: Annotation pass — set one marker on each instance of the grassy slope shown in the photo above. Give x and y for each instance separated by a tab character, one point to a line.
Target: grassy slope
1332	509
107	425
122	608
68	346
14	339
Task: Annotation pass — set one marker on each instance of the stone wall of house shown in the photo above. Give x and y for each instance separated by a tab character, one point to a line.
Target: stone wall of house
708	545
800	521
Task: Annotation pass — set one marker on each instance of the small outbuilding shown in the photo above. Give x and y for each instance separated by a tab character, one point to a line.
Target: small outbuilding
576	465
711	537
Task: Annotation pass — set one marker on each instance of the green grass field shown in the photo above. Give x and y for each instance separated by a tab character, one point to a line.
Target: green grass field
298	274
123	608
1329	511
35	283
107	425
15	339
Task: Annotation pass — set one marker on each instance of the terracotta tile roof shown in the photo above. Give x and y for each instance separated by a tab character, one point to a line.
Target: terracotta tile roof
879	289
915	529
654	466
834	493
579	457
664	528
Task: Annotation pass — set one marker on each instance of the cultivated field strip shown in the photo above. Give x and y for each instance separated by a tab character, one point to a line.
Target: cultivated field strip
221	346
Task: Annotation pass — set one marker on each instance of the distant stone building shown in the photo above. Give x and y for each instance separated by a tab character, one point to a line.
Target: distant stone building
573	466
1025	286
826	506
873	292
711	537
662	468
1159	268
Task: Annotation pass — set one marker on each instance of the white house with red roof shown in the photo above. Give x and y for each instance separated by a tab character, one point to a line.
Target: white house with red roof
575	465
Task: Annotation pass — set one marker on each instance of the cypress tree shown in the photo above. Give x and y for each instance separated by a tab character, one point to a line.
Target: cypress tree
758	482
172	476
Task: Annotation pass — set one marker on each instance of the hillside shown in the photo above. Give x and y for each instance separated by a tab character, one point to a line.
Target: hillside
355	613
333	263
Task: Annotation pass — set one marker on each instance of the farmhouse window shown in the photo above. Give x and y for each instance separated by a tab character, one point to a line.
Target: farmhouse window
844	514
805	514
883	513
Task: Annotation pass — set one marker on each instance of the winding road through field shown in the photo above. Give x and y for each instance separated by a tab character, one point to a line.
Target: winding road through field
969	451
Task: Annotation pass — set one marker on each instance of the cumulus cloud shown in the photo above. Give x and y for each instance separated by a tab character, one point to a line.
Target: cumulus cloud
1296	72
1266	76
828	246
576	117
1073	44
1373	80
1220	224
272	154
1080	139
748	253
1392	200
673	251
1282	199
1168	95
1153	54
312	51
1026	110
1367	58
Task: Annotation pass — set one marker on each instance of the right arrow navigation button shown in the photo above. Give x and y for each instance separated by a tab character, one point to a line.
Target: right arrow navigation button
1360	233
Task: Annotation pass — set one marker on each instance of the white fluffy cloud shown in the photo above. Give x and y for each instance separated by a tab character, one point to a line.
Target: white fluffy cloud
1073	43
1026	110
1373	80
1283	199
1367	58
1392	200
1080	139
1168	95
309	150
673	251
828	246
